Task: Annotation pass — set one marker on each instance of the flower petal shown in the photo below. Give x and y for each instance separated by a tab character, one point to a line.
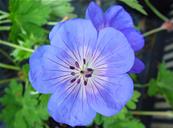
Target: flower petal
54	30
115	55
69	105
138	66
49	67
134	37
108	95
37	69
125	90
75	34
118	18
95	14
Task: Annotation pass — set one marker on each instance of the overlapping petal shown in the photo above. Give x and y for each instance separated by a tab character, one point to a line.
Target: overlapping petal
69	104
118	18
115	55
95	14
107	95
54	30
135	39
49	68
137	67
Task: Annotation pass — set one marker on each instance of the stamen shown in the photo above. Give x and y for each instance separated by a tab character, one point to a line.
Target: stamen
73	73
78	81
90	69
84	61
73	80
77	64
88	75
85	82
71	67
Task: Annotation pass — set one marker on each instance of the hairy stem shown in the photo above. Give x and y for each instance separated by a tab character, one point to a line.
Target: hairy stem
2	12
155	11
153	113
4	16
16	46
153	31
5	21
8	80
4	28
6	66
3	52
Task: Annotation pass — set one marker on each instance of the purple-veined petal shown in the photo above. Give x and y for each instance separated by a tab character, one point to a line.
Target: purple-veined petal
95	14
118	18
138	66
135	39
74	35
108	95
49	67
69	105
37	69
113	55
125	90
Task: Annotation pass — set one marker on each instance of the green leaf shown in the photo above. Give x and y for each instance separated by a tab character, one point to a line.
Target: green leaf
135	5
60	8
27	17
23	110
163	85
152	88
98	119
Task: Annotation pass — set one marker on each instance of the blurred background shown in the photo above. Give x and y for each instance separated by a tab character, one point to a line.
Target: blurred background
25	25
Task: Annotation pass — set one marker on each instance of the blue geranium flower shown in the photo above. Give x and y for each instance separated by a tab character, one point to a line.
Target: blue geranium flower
120	20
85	70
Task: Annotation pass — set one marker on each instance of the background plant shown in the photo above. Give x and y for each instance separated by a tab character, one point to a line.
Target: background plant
28	23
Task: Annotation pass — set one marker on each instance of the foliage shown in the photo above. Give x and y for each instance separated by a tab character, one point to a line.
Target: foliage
124	119
58	5
23	110
135	5
27	21
27	17
163	85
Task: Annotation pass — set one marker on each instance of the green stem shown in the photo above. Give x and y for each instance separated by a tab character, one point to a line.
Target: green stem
5	21
9	67
152	31
141	86
4	28
157	13
153	113
16	46
51	23
4	16
8	80
2	12
6	54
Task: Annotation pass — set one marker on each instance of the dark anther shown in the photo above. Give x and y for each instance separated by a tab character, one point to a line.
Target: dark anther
85	82
78	81
82	72
73	80
84	61
72	73
90	69
71	67
88	75
77	64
